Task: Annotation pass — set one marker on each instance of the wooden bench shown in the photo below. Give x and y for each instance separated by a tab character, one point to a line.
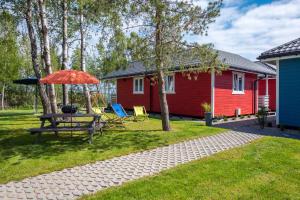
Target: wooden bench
57	119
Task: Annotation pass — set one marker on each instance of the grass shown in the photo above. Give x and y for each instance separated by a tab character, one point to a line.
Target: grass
22	156
266	169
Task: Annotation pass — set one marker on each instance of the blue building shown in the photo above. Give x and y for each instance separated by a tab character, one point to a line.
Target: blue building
287	60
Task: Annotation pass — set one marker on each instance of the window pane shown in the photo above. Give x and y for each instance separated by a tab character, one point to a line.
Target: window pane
235	82
240	83
136	85
141	85
166	83
171	84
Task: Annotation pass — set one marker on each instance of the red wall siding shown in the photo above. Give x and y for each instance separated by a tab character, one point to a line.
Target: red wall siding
187	100
126	97
188	97
272	91
226	103
190	94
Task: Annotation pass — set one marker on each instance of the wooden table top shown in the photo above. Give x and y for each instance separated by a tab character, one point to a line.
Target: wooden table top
69	115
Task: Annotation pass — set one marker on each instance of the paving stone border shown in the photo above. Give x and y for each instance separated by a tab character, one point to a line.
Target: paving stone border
77	181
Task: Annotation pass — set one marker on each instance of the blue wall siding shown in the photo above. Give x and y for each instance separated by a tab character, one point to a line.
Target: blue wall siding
289	92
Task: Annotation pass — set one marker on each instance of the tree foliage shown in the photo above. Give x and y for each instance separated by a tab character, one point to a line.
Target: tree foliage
10	59
165	26
177	21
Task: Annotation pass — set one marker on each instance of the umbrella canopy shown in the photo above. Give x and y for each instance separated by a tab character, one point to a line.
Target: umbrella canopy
30	81
70	77
27	81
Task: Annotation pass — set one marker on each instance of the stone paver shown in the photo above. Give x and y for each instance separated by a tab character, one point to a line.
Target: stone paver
77	181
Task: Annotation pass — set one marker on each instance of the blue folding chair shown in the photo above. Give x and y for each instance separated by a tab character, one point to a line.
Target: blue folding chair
120	112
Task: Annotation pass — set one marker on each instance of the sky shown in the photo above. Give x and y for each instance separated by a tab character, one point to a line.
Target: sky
250	27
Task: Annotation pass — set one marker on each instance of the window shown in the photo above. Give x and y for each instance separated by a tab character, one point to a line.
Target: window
170	84
238	83
138	85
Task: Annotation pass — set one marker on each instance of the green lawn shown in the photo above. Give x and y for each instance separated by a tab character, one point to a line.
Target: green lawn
21	156
266	169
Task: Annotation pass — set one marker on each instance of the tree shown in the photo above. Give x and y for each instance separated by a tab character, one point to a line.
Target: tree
120	49
83	58
164	25
65	47
46	52
34	56
10	59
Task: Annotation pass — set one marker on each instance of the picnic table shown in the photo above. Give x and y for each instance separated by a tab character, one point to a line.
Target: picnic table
70	122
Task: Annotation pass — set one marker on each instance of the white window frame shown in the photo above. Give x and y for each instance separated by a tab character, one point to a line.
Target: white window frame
165	80
242	75
134	89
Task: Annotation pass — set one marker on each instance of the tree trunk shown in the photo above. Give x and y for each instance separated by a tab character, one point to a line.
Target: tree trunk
47	57
40	37
164	109
82	64
2	97
65	49
34	58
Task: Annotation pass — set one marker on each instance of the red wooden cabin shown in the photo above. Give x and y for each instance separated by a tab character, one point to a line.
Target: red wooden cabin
235	90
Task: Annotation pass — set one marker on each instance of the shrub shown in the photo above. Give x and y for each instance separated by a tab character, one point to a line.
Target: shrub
225	118
262	116
206	107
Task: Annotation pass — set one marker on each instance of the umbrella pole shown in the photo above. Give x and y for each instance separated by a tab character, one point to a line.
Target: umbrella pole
71	109
36	100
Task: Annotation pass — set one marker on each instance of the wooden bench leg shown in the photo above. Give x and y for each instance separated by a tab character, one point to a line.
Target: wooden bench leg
39	136
91	134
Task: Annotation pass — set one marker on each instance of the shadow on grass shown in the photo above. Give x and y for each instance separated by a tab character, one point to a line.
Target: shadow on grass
251	126
14	114
18	142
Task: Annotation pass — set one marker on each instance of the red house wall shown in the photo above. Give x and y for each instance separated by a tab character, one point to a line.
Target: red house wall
226	103
272	91
190	94
188	97
126	97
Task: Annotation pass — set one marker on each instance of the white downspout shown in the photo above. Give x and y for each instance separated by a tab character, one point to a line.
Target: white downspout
267	85
213	93
267	91
277	92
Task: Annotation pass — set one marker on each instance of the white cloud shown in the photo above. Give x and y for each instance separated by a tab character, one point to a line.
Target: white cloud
256	29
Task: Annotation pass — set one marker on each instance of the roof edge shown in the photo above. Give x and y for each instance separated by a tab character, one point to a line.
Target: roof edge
177	70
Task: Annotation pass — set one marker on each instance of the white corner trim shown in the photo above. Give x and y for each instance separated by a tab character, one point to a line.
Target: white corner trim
116	90
277	92
257	94
267	85
213	77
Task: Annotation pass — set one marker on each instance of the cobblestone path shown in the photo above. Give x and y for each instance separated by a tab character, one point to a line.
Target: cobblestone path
74	182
